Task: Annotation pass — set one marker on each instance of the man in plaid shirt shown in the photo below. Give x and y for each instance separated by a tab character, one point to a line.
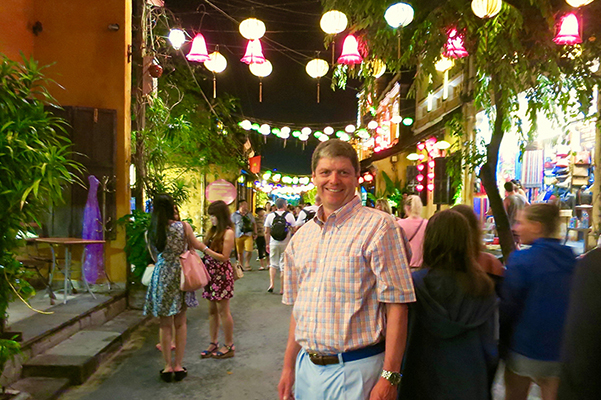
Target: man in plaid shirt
347	275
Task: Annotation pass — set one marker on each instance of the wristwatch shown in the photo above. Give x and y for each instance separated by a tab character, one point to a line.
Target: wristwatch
393	377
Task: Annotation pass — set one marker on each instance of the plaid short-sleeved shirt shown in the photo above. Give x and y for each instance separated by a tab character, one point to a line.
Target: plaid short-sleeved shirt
338	272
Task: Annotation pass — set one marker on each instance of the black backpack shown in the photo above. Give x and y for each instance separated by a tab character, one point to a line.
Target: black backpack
279	227
309	214
247	225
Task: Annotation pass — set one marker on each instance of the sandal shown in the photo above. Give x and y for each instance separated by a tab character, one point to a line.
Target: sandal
180	375
166	376
228	354
210	351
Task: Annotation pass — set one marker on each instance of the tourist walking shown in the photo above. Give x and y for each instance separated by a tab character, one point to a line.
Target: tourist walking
348	278
415	228
307	213
513	204
451	350
246	232
534	302
217	247
260	240
278	227
164	299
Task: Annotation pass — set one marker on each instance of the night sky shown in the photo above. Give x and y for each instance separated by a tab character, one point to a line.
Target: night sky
289	94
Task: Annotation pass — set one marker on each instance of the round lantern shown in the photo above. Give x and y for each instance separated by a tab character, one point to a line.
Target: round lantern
252	28
328	130
261	70
216	62
350	128
372	124
399	15
246	125
486	8
578	3
317	68
412	157
333	22
306	131
155	70
176	38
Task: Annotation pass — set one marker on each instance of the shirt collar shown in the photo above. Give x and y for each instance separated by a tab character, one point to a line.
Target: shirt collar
340	215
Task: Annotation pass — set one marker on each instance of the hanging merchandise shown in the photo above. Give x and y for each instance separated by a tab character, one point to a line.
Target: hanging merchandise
317	68
350	52
216	64
453	48
252	28
486	8
254	53
198	51
176	38
261	70
569	30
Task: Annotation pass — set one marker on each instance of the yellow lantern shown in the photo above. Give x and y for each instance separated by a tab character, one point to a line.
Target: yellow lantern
333	22
578	3
444	64
486	8
377	67
216	62
252	28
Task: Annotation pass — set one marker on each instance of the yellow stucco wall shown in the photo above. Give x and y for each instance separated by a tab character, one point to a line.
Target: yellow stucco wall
90	64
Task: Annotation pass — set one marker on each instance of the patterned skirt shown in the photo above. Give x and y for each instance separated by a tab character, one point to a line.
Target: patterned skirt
221	284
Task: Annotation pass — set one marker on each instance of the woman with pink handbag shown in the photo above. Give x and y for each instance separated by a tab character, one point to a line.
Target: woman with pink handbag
164	298
218	246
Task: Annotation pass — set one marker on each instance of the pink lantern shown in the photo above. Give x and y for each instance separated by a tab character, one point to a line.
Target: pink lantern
421	146
430	187
419	178
431	164
419	187
431	176
569	30
420	167
350	52
254	53
198	51
453	48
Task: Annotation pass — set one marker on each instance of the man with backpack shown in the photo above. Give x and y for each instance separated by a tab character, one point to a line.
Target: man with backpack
278	227
307	213
246	232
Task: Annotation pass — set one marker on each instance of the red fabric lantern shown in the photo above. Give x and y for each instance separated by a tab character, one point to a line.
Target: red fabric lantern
198	51
254	53
350	52
255	164
453	48
569	30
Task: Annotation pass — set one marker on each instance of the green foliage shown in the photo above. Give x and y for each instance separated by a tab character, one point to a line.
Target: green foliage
8	350
136	225
392	191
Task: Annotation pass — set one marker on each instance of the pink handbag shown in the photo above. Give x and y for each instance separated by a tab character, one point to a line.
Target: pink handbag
194	274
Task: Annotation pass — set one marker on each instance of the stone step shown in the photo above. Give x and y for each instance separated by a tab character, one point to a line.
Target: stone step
41	388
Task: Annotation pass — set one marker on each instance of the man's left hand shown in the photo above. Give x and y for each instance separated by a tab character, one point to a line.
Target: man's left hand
383	391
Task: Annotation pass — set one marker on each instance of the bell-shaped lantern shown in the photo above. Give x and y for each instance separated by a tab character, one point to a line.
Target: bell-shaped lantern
198	51
333	22
569	30
252	28
578	3
254	53
486	8
216	64
261	70
453	48
317	68
350	52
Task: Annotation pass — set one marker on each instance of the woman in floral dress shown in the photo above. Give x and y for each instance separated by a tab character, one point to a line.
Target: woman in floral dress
219	244
164	299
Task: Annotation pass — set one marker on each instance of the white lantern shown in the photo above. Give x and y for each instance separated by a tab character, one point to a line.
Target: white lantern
306	131
487	8
333	22
285	130
265	129
177	38
350	128
442	145
413	157
578	3
372	125
261	70
246	125
399	15
323	138
317	68
397	119
252	28
328	130
216	62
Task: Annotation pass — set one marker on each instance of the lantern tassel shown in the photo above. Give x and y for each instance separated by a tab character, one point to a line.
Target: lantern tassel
318	91
399	45
285	142
214	86
260	90
333	53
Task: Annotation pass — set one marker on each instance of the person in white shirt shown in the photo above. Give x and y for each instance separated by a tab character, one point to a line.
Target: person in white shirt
307	213
278	227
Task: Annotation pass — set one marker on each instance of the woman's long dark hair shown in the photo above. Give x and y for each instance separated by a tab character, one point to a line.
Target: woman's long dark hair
216	234
162	211
472	220
448	246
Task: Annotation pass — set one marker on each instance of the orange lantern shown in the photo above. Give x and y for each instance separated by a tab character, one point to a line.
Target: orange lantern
569	30
198	51
350	52
453	48
254	53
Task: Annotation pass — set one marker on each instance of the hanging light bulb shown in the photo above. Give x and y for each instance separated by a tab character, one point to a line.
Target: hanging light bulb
254	53
399	15
176	38
198	51
350	52
453	48
569	30
261	70
486	8
333	22
578	3
252	28
317	68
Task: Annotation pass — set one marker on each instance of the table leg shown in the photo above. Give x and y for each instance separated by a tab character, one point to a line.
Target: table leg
51	275
67	271
83	275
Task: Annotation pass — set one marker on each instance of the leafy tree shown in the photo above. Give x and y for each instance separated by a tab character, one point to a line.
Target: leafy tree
512	53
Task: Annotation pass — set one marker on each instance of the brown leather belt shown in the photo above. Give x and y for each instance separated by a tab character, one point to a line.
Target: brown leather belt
364	352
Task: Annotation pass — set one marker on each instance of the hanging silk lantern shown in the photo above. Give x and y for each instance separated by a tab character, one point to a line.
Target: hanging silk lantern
453	48
350	52
569	30
317	68
176	38
252	28
333	22
486	8
198	51
216	64
261	70
399	15
578	3
254	53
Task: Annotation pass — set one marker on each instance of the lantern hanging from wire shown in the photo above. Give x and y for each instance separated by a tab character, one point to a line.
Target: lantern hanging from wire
261	70
198	51
399	15
333	22
176	38
350	52
569	30
453	48
486	8
216	64
579	3
317	68
252	28
254	53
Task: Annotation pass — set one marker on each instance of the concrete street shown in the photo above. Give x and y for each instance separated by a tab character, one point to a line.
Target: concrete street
260	333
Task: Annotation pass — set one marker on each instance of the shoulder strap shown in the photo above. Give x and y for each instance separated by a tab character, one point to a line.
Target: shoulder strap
417	230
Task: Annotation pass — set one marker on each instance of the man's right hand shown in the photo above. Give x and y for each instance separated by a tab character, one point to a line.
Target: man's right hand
285	385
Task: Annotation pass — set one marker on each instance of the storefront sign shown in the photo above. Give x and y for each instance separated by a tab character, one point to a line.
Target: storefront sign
221	190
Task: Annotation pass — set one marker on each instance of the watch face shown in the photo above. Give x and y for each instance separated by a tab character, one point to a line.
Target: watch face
393	377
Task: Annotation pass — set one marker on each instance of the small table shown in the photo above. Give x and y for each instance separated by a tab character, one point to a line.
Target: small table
67	242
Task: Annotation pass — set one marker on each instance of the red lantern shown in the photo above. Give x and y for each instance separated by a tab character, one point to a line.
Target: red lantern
453	48
368	177
431	164
419	187
254	53
431	176
420	167
430	187
421	146
419	178
198	51
350	52
569	30
155	70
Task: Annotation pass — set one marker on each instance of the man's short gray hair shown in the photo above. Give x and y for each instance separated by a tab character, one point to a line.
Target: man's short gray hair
335	148
280	203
